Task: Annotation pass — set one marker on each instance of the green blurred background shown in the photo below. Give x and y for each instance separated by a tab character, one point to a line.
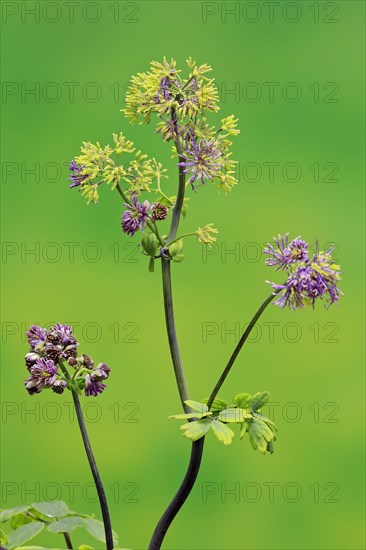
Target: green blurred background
309	494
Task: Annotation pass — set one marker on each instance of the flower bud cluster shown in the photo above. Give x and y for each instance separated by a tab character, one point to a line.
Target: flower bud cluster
49	349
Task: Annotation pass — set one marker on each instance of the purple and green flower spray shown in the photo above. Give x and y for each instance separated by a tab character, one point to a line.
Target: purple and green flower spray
183	107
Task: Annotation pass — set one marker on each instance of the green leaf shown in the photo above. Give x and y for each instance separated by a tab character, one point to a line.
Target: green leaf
233	415
196	406
242	400
196	430
72	513
56	509
85	547
243	429
40	517
222	432
3	538
10	512
33	548
258	400
96	529
266	420
260	435
217	405
20	519
66	525
24	533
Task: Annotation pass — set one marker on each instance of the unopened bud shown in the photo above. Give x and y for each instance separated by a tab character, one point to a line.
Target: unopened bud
150	244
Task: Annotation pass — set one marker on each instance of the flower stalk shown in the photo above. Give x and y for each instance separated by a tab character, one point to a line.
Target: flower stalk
93	465
238	348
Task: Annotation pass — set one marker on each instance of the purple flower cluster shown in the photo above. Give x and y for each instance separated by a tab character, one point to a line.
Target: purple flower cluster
42	375
308	279
56	343
90	377
76	174
283	253
94	381
48	348
137	214
201	159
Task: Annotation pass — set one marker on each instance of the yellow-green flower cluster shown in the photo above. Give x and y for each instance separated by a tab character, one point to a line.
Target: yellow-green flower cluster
97	164
206	234
162	90
182	105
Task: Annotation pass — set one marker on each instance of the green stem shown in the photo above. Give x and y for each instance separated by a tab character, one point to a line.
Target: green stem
238	348
181	495
177	210
158	236
172	335
92	464
193	233
197	446
123	195
160	192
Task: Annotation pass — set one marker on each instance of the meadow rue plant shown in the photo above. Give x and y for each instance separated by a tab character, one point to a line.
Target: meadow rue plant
181	106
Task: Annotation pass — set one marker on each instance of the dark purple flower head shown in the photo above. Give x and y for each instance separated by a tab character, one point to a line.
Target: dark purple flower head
159	211
283	254
52	352
55	343
59	386
36	335
43	374
135	217
73	362
86	361
201	159
93	387
62	334
70	351
101	372
76	176
31	358
94	380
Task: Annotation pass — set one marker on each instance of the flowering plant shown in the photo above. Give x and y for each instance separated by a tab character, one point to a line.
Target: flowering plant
181	106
